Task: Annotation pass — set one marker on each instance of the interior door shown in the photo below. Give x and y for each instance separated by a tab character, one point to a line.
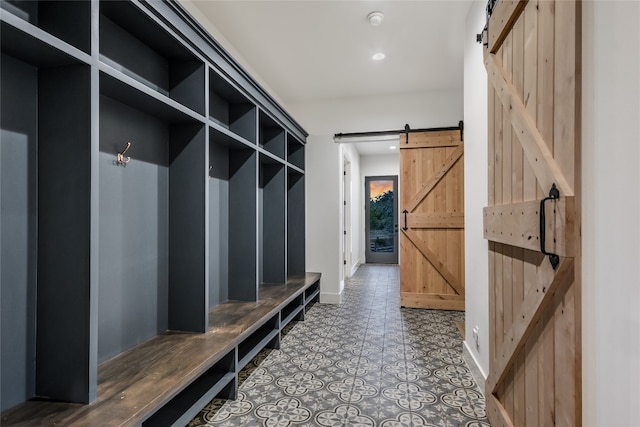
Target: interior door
532	223
432	220
381	214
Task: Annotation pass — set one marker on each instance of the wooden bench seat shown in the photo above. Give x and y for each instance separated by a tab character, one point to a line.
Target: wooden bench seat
154	375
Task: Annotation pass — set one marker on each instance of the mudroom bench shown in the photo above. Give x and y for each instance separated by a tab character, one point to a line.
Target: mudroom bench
167	380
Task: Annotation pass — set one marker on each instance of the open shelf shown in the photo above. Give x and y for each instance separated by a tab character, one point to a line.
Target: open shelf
69	21
267	334
295	151
230	109
272	136
271	221
312	293
295	224
219	379
135	44
293	310
232	219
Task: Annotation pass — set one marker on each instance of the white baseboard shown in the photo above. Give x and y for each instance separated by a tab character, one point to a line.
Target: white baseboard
330	298
355	267
477	372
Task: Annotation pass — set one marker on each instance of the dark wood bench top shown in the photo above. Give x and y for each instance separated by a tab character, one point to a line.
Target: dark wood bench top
137	382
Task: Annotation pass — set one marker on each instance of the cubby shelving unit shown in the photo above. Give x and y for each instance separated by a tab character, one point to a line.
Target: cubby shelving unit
272	221
153	199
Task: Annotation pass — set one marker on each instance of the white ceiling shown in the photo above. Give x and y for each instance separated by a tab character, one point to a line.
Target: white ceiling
308	51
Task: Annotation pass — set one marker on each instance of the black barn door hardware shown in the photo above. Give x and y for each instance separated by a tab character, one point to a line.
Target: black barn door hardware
407	129
405	212
554	194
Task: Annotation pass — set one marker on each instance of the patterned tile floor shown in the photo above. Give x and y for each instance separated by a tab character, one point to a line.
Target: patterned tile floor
365	362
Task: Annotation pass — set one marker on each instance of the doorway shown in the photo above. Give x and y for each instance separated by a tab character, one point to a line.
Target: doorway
346	215
381	219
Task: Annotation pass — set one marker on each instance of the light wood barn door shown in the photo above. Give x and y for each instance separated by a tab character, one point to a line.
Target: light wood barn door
532	57
432	220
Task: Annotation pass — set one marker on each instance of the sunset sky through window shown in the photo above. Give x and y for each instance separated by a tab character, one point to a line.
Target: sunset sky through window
377	188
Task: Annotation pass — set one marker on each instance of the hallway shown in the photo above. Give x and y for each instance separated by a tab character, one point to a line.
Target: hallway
365	362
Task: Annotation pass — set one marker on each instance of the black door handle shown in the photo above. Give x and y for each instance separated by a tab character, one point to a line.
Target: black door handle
554	194
405	212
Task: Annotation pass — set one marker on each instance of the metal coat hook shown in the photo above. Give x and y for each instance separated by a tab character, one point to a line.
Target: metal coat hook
121	159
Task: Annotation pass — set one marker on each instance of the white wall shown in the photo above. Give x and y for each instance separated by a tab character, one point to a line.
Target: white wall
418	109
475	190
611	213
376	166
324	162
192	7
323	181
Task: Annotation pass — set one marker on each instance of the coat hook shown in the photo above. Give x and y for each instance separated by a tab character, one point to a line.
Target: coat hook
121	159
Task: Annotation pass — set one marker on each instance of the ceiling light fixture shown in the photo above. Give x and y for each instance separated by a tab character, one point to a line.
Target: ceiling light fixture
378	56
375	18
393	147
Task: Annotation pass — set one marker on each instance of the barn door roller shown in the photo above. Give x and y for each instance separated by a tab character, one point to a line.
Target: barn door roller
554	194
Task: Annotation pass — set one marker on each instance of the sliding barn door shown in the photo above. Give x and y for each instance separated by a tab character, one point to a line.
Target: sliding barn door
432	220
532	223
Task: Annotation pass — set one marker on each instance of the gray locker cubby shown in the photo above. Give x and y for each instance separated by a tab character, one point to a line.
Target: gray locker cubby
141	47
232	219
44	207
230	109
272	136
65	20
295	224
272	221
295	151
158	277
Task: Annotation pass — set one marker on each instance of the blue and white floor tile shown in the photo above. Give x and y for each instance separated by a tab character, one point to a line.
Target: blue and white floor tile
365	362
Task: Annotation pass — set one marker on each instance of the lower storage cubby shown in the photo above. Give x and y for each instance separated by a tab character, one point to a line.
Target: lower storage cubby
293	310
219	380
266	335
312	293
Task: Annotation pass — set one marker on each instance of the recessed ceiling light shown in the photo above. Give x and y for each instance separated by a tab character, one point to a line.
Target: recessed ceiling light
378	56
375	18
393	147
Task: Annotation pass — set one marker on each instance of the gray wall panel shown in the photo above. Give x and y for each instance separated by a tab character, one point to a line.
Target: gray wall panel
295	225
18	130
273	226
64	330
218	225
